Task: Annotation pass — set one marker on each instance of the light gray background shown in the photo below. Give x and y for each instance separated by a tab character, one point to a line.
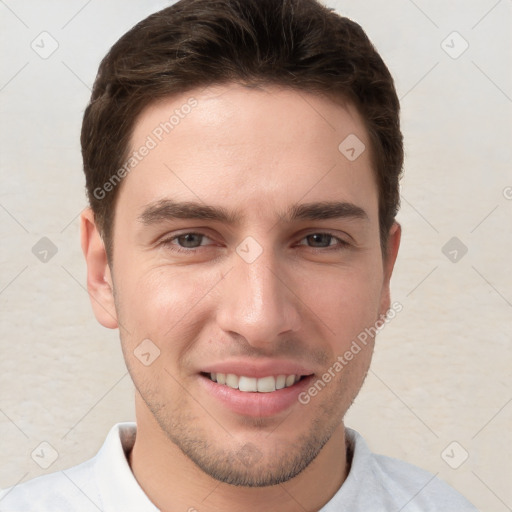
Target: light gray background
442	367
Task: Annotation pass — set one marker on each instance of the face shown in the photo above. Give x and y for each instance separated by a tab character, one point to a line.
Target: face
246	260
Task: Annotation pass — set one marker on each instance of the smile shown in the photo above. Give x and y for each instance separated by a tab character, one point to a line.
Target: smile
253	384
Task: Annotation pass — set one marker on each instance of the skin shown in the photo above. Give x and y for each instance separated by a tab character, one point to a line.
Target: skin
303	299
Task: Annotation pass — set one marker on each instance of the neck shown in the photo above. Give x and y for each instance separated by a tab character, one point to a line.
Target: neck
173	482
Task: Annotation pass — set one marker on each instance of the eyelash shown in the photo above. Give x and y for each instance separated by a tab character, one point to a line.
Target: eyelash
342	244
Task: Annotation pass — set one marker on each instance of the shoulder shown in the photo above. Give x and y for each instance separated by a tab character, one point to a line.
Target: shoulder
417	489
78	488
62	491
392	484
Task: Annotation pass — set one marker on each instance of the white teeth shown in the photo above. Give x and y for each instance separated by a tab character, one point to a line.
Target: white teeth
232	381
290	380
247	384
266	384
280	381
252	384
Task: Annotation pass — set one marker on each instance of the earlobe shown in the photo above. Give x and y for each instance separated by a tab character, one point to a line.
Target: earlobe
99	278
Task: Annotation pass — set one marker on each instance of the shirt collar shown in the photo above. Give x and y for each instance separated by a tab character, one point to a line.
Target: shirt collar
120	490
118	486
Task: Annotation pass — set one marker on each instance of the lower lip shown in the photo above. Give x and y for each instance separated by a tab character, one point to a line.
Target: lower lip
256	405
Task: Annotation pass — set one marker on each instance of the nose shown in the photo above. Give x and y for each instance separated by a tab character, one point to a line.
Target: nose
258	301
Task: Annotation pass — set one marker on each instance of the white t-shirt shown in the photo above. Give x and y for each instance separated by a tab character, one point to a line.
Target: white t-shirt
375	483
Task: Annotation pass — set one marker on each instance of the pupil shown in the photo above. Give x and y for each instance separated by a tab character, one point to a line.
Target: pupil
189	239
319	237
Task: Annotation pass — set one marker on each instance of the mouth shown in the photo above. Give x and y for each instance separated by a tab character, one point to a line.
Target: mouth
258	397
268	384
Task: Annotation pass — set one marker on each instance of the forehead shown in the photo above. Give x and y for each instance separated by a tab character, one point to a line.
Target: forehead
262	147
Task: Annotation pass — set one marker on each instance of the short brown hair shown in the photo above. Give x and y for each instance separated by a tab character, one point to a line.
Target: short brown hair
300	44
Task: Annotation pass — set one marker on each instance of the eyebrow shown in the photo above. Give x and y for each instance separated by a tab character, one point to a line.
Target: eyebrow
326	210
168	209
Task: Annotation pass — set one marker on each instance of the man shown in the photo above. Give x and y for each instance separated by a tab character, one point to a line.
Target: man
242	161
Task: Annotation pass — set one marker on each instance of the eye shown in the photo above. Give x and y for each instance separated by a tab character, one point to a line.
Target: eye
185	242
191	242
325	241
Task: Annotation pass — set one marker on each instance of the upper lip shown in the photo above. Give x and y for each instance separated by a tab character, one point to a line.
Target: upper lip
258	368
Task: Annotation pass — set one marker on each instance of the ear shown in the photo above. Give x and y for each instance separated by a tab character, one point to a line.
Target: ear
99	278
395	234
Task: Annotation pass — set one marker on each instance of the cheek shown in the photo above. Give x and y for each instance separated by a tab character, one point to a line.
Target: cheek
162	303
345	300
